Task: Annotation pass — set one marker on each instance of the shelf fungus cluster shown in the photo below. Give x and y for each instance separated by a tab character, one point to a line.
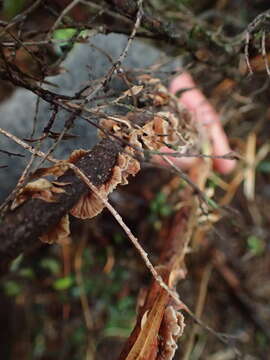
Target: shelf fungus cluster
161	124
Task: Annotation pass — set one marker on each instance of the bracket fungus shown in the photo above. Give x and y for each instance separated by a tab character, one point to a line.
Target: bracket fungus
139	130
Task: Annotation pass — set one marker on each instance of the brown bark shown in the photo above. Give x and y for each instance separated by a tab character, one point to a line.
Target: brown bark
21	228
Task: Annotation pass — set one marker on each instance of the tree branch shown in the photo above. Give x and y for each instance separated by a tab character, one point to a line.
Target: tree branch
21	228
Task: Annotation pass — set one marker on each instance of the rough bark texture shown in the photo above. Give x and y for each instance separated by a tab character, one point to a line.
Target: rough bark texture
21	228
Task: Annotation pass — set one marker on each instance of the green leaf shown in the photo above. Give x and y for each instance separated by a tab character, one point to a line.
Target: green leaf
13	7
27	273
12	288
64	34
212	203
50	264
165	210
159	205
63	283
255	245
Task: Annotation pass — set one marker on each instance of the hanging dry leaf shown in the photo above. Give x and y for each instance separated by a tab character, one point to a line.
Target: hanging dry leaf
146	344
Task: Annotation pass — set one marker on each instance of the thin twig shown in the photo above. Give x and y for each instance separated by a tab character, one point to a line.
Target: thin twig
21	17
117	65
66	10
10	153
188	180
25	145
130	235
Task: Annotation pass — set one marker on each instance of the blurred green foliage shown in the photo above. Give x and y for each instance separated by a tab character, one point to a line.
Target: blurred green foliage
42	288
12	288
12	7
63	283
255	245
262	340
120	318
159	206
264	167
159	209
50	264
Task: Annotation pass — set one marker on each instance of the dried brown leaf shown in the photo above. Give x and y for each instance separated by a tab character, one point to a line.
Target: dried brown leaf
135	90
40	189
146	344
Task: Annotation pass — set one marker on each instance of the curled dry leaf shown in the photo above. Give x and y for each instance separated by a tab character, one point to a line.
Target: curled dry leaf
160	329
169	128
59	233
111	126
171	330
135	90
40	189
144	319
148	79
146	344
158	93
176	275
160	96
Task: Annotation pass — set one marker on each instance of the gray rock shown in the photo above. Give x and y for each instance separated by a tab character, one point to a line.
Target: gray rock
83	64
